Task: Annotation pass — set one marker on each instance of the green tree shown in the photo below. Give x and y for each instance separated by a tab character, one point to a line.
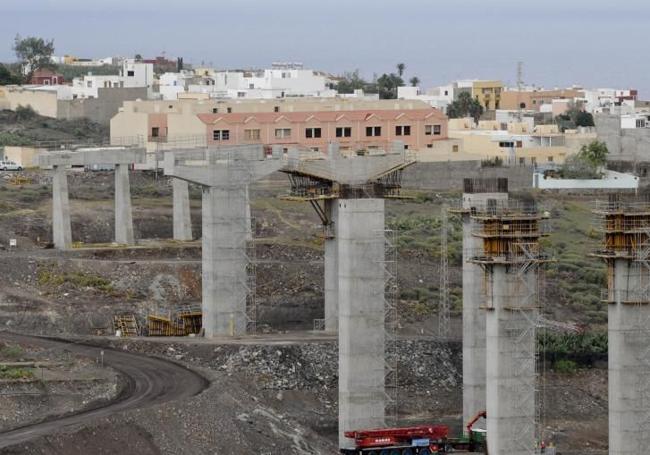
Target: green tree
415	81
7	77
351	81
400	69
138	58
387	85
34	54
574	117
465	106
594	153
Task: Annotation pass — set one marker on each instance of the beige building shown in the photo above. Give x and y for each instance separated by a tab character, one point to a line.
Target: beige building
488	93
23	156
518	144
513	99
153	120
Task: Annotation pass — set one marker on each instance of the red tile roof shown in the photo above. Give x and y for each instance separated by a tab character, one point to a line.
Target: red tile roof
322	116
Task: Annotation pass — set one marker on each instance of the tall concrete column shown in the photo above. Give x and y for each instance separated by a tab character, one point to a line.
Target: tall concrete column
331	281
181	210
123	211
361	250
510	366
473	315
628	341
224	261
61	227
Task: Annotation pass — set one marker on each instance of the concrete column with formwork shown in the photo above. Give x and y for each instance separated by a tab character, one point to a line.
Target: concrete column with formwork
224	262
476	194
123	208
626	251
331	279
181	210
510	256
361	247
224	174
61	226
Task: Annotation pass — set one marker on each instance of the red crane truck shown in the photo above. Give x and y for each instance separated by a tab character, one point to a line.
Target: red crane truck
419	440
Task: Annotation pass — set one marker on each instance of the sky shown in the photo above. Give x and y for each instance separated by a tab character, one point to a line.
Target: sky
594	43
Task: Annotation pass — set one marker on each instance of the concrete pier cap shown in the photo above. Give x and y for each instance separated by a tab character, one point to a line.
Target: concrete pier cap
352	189
225	174
120	157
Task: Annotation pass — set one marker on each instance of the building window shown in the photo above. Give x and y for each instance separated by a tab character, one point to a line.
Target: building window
506	144
522	161
89	84
130	73
373	131
432	130
221	135
314	149
429	146
454	148
155	131
276	108
403	130
533	161
215	110
282	133
550	159
252	135
312	133
343	131
230	110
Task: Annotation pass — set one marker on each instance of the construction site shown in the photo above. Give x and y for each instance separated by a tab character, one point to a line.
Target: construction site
256	299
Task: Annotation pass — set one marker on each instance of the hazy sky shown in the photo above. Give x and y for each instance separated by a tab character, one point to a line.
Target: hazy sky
597	43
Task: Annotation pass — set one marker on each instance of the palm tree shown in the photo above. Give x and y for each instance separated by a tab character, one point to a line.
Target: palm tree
414	81
400	69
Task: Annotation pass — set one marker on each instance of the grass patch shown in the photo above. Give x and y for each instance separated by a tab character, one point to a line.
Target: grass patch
48	278
13	373
11	352
565	367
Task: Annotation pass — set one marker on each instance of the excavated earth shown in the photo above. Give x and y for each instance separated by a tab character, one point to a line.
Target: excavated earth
265	394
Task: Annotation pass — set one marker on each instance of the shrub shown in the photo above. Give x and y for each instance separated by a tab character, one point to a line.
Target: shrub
565	367
24	113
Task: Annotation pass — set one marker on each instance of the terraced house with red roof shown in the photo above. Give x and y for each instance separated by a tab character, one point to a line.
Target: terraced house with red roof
353	130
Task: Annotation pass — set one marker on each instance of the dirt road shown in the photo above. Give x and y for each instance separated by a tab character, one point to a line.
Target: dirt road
150	381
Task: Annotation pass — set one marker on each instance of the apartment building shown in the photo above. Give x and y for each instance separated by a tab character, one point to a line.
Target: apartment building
155	120
353	130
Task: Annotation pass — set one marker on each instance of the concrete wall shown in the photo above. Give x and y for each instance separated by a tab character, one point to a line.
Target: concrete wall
623	144
613	180
449	175
101	109
42	101
24	156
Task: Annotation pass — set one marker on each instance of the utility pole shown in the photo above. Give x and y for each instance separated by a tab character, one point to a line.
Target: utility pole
520	86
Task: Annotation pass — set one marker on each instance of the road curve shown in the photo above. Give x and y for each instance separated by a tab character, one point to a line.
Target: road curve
149	381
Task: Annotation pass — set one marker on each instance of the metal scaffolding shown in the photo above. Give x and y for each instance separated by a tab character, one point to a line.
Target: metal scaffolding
625	225
391	324
443	304
510	235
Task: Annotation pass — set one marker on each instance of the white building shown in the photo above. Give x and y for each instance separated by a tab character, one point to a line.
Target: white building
133	74
171	84
283	80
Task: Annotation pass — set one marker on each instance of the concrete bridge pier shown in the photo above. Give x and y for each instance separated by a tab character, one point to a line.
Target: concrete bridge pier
181	210
61	227
123	209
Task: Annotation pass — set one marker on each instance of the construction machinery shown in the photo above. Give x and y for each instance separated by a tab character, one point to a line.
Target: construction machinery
418	440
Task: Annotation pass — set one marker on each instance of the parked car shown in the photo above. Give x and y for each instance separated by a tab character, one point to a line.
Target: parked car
10	166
